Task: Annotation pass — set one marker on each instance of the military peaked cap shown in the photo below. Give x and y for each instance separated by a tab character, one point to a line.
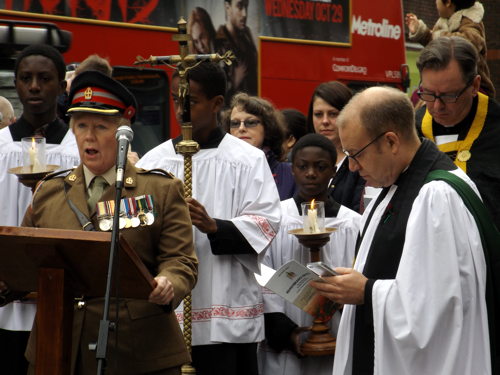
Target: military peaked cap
95	92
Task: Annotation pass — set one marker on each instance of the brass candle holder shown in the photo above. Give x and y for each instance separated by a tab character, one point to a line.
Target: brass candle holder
31	179
319	342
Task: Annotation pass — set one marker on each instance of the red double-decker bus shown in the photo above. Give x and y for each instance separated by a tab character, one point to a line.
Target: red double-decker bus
300	44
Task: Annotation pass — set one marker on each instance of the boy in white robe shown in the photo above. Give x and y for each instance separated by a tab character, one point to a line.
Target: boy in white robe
39	79
313	165
415	300
235	211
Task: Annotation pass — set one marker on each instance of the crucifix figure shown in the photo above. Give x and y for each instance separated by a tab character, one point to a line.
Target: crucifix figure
187	147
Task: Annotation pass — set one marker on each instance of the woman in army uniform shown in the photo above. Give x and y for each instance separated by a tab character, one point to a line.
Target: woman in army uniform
155	223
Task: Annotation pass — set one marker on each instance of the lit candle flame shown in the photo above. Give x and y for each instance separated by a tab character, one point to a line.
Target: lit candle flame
312	219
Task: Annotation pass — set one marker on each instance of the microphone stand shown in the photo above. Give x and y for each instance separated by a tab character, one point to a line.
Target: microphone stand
105	325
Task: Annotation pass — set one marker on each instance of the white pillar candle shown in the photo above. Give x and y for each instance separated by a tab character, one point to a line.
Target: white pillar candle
312	215
33	154
35	163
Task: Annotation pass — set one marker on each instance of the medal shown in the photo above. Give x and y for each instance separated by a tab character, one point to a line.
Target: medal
103	216
135	222
128	223
150	218
141	203
125	212
143	220
464	155
105	224
150	215
121	222
132	204
111	210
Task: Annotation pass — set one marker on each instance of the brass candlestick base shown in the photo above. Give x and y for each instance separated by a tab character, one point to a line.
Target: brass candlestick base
319	342
313	241
31	179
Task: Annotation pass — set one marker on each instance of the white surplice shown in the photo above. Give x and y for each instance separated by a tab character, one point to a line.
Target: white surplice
432	318
15	198
338	252
233	182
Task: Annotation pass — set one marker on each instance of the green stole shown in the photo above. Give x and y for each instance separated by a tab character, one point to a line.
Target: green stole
490	239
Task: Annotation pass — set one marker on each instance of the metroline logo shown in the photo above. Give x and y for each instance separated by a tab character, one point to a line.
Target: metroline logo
378	30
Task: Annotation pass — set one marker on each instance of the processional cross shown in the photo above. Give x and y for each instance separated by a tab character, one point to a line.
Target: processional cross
187	147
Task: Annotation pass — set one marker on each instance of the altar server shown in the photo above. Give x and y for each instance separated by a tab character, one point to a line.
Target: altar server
313	165
39	78
236	213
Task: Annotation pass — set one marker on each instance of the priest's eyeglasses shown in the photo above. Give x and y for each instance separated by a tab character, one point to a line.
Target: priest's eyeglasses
250	123
355	155
445	98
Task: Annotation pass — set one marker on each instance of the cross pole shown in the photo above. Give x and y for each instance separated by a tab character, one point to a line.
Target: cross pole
187	147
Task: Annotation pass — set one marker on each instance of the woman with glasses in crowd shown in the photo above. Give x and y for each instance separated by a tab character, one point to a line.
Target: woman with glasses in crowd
256	121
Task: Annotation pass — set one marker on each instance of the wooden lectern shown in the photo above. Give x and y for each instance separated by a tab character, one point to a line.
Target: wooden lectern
61	265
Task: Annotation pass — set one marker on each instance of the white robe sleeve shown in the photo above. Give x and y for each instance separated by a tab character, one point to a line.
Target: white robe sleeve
260	215
432	318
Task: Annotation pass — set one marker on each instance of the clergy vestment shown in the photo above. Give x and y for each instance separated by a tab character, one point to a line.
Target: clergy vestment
347	187
424	309
15	200
338	252
61	149
232	180
474	146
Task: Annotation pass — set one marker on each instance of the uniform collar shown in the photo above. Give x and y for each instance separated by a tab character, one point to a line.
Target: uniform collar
81	176
109	176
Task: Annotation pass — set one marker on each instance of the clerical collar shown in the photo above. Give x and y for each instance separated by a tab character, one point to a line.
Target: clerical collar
214	139
109	176
331	206
461	128
54	131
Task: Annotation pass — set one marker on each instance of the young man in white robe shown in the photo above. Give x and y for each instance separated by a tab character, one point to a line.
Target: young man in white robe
39	78
313	166
236	213
415	300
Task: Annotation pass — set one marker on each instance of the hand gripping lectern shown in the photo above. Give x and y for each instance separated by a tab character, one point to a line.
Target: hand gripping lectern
60	265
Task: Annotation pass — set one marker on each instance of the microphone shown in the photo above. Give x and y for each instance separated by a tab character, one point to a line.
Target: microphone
124	135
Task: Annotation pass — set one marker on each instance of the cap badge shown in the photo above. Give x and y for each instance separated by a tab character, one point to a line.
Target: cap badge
88	93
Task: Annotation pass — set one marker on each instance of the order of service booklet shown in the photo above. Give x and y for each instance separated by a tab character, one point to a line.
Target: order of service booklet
291	281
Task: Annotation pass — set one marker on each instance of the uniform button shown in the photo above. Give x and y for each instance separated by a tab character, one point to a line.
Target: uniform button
80	305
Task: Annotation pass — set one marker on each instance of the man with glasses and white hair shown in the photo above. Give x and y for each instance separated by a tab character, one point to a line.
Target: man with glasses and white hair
415	298
462	121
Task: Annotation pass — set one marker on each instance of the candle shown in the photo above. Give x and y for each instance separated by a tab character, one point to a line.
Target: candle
35	163
312	216
33	149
